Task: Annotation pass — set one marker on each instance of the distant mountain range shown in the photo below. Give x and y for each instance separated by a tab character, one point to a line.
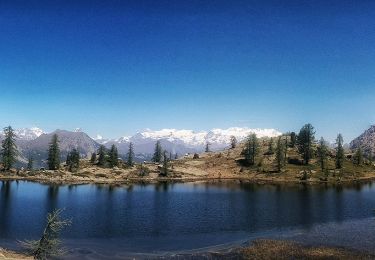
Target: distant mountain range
184	141
34	141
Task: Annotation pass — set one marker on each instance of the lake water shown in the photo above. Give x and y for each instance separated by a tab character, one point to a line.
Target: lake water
156	219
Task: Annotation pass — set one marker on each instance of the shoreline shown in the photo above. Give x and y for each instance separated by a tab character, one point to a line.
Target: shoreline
261	248
55	180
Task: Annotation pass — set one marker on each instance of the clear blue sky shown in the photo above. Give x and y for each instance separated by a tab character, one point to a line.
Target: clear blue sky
115	67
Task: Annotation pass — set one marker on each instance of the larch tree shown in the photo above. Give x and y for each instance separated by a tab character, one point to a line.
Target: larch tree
30	163
251	149
113	156
305	141
130	155
93	158
270	146
358	157
9	150
101	156
164	170
339	151
73	160
370	157
322	152
49	245
207	149
158	152
293	139
54	153
280	153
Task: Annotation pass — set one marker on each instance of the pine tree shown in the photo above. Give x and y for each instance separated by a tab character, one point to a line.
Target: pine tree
207	149
9	150
233	142
339	151
293	139
68	159
73	160
101	155
176	156
370	157
93	158
270	147
305	140
30	163
130	160
358	157
54	153
113	156
164	171
322	154
251	149
157	153
285	148
280	154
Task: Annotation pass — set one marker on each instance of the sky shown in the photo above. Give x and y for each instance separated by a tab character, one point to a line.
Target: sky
116	67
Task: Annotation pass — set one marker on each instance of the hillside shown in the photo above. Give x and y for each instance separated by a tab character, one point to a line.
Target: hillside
366	141
224	164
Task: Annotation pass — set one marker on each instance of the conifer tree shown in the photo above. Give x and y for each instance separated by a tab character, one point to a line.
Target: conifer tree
101	155
251	149
130	161
73	160
285	148
370	157
30	163
339	151
93	158
293	139
270	147
49	245
54	153
9	150
207	149
176	156
233	142
158	153
305	140
358	157
164	171
280	154
322	154
113	156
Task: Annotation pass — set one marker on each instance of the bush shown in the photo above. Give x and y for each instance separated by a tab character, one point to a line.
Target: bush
196	156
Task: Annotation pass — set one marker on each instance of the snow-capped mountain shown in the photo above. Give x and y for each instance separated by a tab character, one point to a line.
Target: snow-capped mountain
183	141
28	133
34	141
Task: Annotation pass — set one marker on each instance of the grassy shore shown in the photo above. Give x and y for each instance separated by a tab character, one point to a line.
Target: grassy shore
222	165
259	250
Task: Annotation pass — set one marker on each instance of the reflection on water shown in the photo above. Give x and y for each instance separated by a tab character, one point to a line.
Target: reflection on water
177	216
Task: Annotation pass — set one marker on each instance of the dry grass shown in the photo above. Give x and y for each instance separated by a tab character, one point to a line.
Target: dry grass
282	250
6	254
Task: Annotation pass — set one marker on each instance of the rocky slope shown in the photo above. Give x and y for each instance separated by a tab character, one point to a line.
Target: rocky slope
366	141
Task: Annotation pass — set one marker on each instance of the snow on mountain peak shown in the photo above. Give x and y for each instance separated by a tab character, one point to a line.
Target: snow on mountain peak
28	133
216	137
98	137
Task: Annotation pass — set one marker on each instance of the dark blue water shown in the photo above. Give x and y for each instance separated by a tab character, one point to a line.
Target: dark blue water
174	217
